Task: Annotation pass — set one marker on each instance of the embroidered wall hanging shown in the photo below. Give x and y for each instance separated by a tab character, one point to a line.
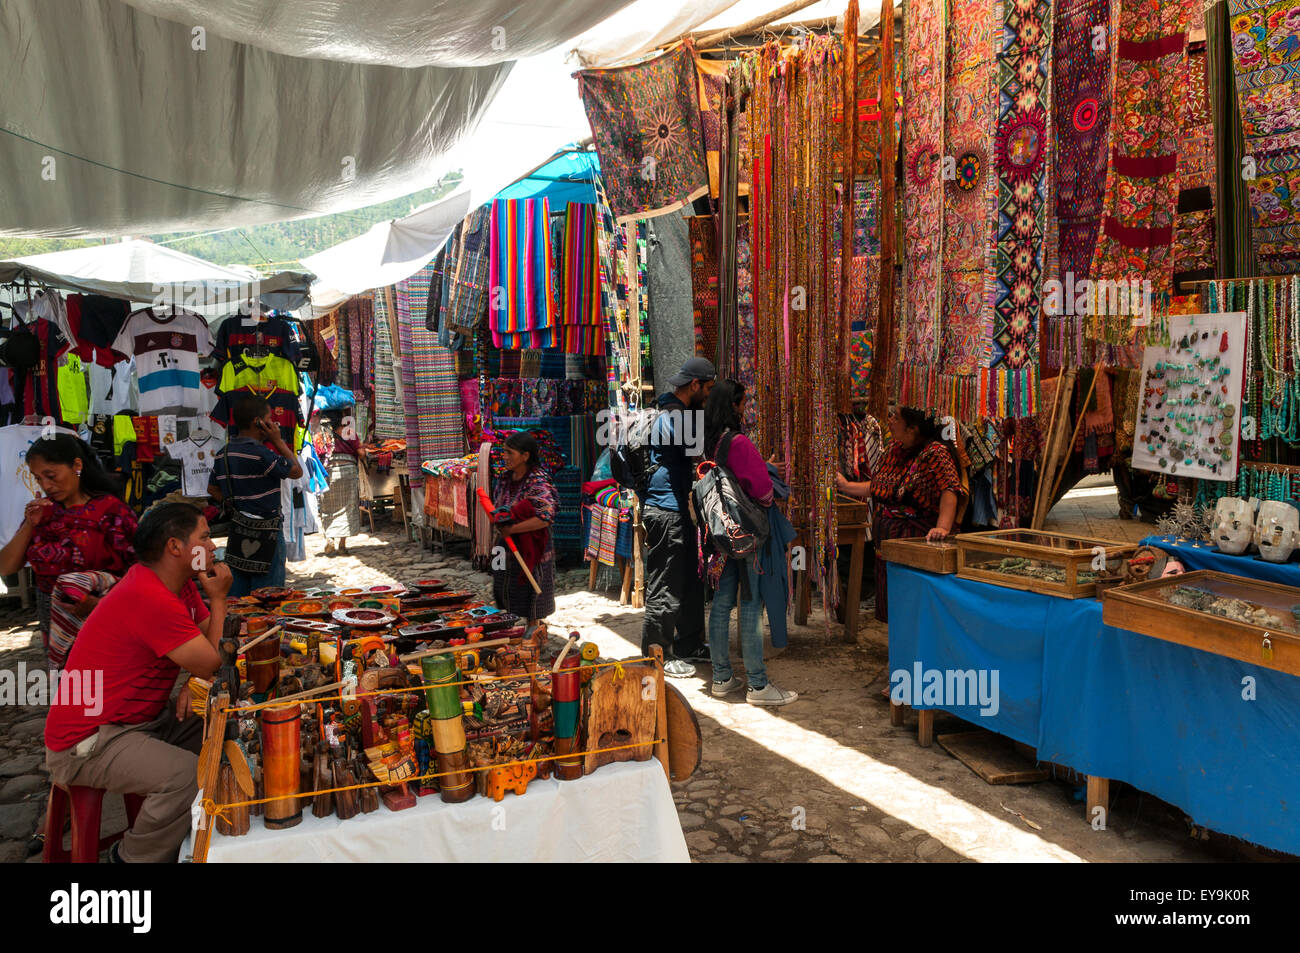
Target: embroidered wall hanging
1266	50
645	121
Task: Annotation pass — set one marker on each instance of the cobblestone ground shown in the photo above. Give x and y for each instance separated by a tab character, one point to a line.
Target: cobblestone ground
826	779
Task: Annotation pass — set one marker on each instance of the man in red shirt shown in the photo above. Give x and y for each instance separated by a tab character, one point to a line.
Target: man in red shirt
110	725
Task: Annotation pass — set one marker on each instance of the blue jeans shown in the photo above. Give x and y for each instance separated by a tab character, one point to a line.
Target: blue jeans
751	626
244	584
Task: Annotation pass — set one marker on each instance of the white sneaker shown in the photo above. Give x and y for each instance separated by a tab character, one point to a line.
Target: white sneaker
679	669
771	696
726	688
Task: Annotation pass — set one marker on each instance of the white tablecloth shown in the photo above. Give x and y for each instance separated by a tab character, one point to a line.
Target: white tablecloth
623	812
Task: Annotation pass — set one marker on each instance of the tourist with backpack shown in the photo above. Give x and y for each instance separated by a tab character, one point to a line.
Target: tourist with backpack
674	595
732	501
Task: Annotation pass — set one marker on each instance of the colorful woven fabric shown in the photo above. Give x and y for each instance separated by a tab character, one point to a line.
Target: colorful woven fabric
1081	82
390	423
645	121
1266	44
1137	229
522	304
923	120
745	345
467	300
434	425
713	85
1009	380
867	109
704	285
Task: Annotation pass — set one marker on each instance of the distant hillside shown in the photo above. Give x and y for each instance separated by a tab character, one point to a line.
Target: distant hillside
283	242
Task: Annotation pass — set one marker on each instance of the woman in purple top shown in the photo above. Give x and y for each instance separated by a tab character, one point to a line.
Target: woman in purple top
723	412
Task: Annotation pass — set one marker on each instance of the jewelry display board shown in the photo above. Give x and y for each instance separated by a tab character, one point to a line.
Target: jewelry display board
1189	414
1245	619
1053	564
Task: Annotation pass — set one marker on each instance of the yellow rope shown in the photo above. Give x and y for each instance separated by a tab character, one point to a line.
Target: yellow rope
214	809
245	709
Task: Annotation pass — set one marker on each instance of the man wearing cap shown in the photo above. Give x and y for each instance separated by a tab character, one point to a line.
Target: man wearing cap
674	593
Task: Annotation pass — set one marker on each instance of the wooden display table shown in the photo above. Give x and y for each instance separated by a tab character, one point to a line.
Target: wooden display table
855	536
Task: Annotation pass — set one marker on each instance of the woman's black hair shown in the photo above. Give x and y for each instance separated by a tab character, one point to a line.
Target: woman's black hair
931	430
526	443
67	449
720	414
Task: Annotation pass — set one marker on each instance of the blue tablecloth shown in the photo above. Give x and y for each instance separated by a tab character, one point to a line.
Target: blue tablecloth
1252	567
1165	718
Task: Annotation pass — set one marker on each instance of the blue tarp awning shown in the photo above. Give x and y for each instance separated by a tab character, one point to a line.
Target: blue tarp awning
568	177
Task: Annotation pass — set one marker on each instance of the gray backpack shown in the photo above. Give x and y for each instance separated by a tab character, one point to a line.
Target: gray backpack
724	512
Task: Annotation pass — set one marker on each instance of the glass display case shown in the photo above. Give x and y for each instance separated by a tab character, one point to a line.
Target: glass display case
1053	564
939	557
1246	619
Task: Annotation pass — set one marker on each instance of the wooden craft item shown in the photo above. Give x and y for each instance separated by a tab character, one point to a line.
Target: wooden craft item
685	741
448	726
262	659
498	780
209	765
322	805
1071	556
231	821
347	804
621	712
281	747
368	797
565	709
428	653
939	557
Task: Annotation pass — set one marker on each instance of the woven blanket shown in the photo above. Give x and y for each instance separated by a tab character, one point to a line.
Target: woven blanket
579	272
1266	48
390	423
1024	43
704	285
923	120
467	299
645	121
434	425
521	306
1194	247
1137	230
746	353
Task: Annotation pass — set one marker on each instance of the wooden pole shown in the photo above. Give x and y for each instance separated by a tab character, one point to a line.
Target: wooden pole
208	768
638	567
1073	437
1064	387
750	26
883	347
661	717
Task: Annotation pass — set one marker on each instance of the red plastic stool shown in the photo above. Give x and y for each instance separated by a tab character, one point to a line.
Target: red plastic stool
86	806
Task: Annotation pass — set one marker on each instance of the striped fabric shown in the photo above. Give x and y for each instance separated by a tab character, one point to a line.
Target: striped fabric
389	422
579	267
566	531
521	303
434	426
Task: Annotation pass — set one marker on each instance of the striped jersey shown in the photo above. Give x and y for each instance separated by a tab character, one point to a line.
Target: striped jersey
166	343
255	473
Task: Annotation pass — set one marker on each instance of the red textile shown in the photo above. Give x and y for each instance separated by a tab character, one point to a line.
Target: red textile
95	535
124	641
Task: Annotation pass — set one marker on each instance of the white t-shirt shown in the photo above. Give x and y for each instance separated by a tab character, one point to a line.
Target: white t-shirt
20	487
166	344
110	390
197	458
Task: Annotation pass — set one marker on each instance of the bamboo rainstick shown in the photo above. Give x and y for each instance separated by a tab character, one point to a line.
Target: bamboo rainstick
884	346
260	638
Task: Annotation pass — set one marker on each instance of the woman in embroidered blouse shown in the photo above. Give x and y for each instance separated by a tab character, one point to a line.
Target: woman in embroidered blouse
525	500
80	525
915	489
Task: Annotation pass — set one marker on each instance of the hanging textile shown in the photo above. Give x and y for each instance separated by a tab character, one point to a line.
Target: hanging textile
1136	240
1194	251
1234	251
713	88
580	278
520	276
431	391
1266	47
1009	383
745	342
467	299
390	422
704	285
645	121
923	120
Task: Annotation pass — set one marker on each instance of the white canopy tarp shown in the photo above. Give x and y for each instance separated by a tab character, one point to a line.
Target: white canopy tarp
144	272
388	253
393	32
647	25
119	122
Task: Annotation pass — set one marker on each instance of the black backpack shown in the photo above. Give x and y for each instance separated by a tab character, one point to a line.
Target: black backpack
731	520
629	454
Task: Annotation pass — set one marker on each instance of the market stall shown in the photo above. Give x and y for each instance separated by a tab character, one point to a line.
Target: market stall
411	696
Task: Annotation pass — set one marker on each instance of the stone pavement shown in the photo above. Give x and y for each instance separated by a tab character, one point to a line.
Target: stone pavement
826	779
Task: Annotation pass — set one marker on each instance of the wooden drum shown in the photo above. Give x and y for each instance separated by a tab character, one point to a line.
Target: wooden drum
281	752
